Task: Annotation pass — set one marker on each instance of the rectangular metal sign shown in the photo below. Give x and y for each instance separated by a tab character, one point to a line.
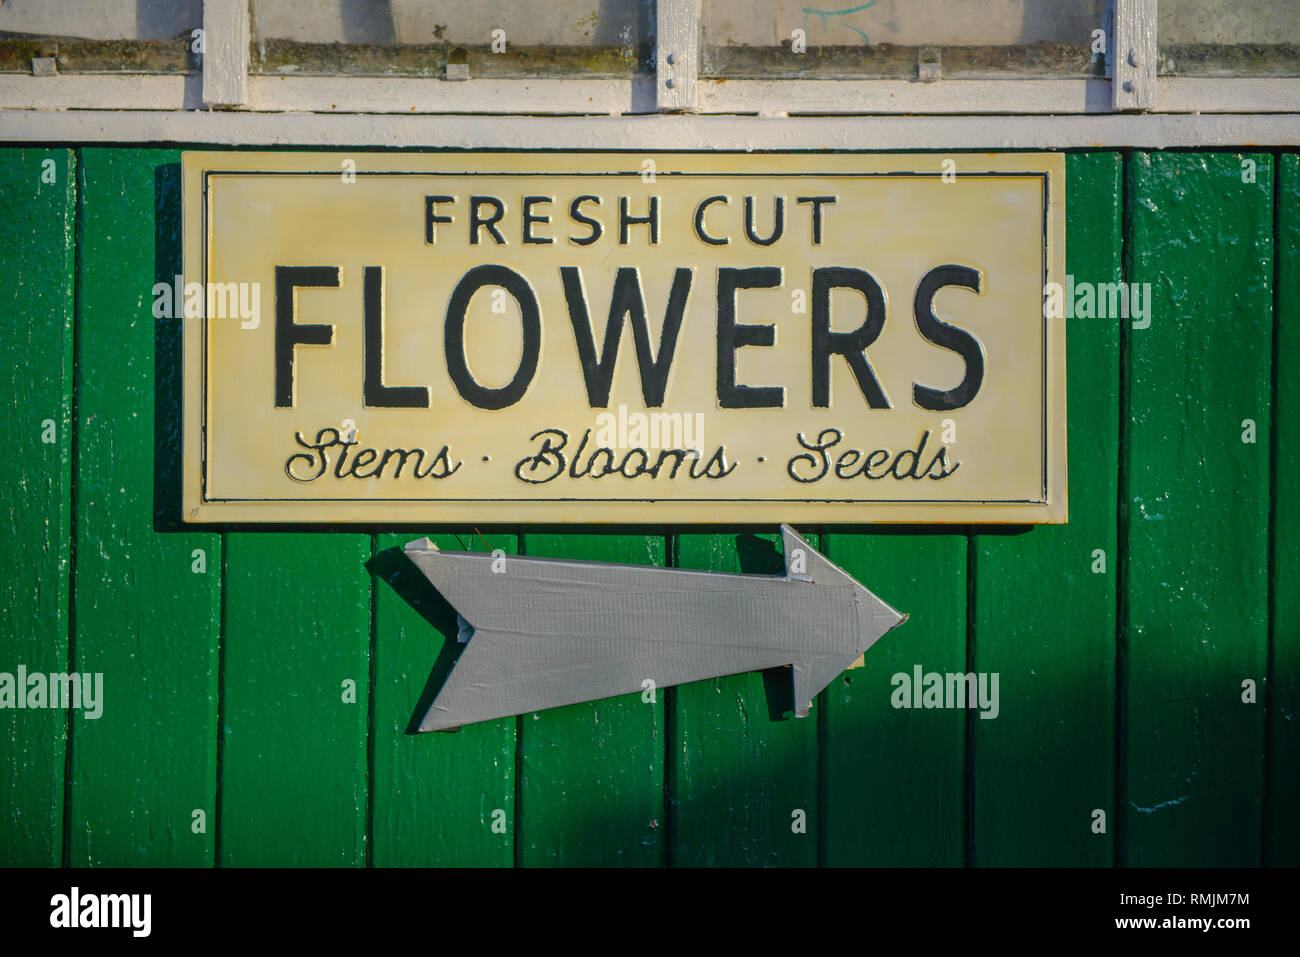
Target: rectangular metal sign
579	337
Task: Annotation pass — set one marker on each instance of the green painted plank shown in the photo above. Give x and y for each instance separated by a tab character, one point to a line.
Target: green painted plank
740	770
441	798
37	211
1196	500
591	776
893	778
1044	768
143	617
294	697
1282	828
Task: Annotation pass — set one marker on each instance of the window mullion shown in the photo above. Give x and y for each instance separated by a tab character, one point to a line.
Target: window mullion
225	52
1133	56
677	54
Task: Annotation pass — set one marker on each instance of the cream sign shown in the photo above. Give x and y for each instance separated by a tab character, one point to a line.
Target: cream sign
576	337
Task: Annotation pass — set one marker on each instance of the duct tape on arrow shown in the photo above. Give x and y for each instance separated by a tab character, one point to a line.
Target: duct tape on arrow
549	632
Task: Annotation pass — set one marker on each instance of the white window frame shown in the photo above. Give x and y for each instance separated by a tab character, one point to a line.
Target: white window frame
226	104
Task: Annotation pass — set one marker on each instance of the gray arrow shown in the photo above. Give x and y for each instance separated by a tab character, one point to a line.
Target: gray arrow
545	632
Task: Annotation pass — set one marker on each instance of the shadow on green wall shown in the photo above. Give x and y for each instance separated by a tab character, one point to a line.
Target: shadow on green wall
393	567
760	556
167	355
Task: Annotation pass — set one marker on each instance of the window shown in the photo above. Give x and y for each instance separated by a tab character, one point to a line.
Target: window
602	57
590	38
1258	38
903	39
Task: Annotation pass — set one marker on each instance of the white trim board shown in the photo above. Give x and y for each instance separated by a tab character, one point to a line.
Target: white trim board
223	128
300	94
95	91
1022	95
225	52
407	95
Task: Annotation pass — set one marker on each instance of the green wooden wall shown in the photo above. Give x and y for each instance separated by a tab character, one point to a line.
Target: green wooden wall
261	684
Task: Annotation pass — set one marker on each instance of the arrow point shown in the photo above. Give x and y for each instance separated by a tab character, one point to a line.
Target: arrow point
886	617
421	545
874	617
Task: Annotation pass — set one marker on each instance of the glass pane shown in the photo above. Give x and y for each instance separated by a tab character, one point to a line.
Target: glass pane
1245	38
100	36
493	38
887	38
